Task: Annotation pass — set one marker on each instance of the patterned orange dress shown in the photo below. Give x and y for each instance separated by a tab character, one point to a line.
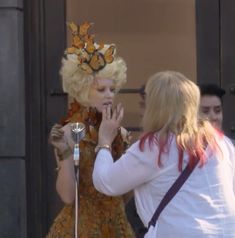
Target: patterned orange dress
99	216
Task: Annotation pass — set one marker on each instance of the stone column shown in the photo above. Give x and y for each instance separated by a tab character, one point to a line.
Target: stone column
12	121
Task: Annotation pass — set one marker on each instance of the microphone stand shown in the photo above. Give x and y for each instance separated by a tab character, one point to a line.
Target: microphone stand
78	132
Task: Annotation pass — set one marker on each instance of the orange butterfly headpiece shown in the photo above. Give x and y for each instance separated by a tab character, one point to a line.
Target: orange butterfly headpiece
91	58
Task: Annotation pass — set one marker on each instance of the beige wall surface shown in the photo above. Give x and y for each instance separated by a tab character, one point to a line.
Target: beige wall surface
151	35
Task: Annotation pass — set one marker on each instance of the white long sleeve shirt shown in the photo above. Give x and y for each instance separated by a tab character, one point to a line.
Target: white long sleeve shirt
203	208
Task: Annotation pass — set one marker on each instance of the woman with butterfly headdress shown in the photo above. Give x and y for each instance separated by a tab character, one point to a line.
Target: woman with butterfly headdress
91	74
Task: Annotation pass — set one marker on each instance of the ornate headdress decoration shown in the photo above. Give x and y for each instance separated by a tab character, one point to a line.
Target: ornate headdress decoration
89	55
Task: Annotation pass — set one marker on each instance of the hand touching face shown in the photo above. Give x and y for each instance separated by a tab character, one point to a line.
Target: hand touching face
101	93
110	124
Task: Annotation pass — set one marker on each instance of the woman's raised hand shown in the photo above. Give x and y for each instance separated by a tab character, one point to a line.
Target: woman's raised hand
110	124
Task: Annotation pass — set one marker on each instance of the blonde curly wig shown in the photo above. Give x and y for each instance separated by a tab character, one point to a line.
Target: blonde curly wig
77	83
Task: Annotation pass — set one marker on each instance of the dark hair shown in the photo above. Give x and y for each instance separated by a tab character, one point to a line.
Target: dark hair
142	92
212	90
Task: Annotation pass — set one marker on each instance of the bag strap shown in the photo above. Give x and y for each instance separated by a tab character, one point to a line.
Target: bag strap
172	191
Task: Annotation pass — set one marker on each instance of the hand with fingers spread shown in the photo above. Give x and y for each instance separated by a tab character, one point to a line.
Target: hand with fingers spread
110	124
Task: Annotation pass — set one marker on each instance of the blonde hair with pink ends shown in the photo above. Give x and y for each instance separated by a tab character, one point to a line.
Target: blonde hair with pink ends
172	106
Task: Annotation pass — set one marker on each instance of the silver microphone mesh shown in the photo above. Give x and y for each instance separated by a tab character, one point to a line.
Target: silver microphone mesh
78	131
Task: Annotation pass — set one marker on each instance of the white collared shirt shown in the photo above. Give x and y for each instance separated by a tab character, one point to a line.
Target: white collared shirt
203	208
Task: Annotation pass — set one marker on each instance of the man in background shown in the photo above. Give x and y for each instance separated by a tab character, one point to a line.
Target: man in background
212	104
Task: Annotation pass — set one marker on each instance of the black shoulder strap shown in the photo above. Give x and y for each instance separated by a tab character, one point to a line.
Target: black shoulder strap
172	191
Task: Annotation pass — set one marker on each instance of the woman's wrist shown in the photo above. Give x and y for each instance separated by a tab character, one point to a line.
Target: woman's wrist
67	165
102	146
65	154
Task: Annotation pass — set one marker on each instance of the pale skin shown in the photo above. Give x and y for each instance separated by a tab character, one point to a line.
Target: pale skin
101	97
110	124
211	108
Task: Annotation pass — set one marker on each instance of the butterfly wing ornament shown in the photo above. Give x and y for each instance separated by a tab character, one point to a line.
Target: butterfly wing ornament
86	68
90	47
90	55
97	61
108	55
73	27
71	50
77	42
83	29
101	46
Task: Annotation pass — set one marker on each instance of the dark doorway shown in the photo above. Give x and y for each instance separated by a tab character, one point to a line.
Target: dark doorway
44	45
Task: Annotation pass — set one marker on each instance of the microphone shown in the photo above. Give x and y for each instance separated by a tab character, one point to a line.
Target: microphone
78	133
